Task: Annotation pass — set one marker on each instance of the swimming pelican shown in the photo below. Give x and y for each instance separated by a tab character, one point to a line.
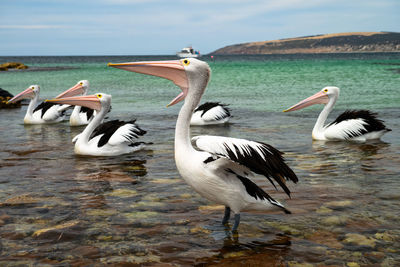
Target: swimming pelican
103	139
42	113
80	115
353	125
210	113
219	168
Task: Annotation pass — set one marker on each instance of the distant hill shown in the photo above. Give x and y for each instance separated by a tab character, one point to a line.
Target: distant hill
325	43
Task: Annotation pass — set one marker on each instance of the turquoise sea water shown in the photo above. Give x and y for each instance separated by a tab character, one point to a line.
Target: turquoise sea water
60	209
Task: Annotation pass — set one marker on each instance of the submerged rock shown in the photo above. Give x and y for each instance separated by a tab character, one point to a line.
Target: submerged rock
325	238
123	193
337	205
56	231
199	229
25	199
298	264
211	208
385	236
352	264
360	240
334	220
323	210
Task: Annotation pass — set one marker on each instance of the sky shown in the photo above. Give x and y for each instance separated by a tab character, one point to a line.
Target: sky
162	27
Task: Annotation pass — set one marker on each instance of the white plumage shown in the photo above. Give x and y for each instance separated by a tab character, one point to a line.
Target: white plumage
352	125
104	139
210	113
43	113
219	168
80	115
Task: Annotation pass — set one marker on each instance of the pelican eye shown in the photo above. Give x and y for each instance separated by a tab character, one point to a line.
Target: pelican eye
81	83
326	90
33	88
99	95
186	62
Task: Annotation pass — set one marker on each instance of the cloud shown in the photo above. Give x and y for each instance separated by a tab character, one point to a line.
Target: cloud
30	27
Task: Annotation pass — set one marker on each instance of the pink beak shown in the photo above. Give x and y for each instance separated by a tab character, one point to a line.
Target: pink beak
90	101
319	98
172	70
27	93
73	91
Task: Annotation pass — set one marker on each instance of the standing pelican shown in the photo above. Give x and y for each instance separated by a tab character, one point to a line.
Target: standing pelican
353	125
210	113
80	115
103	139
42	113
219	169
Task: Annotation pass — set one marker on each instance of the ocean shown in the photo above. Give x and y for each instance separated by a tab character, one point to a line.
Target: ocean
57	208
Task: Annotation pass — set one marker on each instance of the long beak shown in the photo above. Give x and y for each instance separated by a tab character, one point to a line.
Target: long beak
172	70
318	98
73	91
27	93
90	101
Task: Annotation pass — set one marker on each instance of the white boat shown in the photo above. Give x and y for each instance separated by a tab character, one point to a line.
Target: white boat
188	52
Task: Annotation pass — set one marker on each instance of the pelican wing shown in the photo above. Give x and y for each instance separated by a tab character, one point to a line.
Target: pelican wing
211	111
63	108
87	112
258	157
126	134
353	123
116	132
47	107
239	172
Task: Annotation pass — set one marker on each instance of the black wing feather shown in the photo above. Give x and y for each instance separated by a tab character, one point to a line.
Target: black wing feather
373	123
275	167
107	129
255	191
89	112
209	105
44	106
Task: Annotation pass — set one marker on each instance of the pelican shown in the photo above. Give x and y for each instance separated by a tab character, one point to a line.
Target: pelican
352	125
80	115
210	113
44	112
219	168
103	139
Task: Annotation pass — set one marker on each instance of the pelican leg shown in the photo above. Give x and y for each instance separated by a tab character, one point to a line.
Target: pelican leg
236	224
227	215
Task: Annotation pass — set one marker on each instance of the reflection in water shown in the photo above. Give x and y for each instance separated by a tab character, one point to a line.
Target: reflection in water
220	129
251	253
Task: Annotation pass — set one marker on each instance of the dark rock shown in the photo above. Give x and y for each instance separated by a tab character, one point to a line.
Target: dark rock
4	97
12	65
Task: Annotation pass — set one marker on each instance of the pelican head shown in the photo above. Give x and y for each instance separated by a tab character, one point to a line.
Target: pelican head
96	101
188	74
81	87
327	94
30	92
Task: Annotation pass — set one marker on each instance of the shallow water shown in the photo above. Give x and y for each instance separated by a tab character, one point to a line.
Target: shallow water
60	209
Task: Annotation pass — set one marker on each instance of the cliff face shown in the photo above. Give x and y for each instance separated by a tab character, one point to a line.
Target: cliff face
327	43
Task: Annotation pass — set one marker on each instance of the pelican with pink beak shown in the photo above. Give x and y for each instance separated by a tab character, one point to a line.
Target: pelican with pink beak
351	125
43	113
80	115
218	168
103	139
